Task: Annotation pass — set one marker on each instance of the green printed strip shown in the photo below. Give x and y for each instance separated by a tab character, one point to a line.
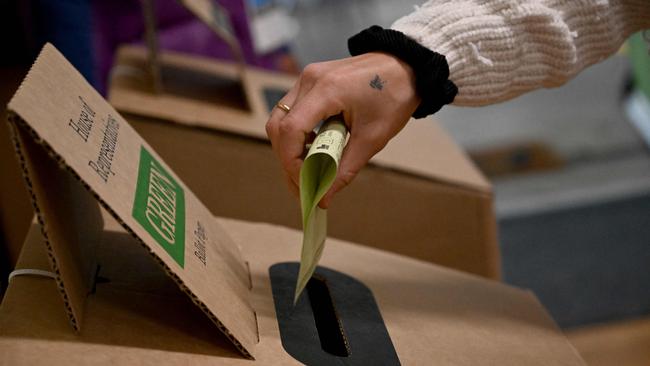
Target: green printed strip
159	206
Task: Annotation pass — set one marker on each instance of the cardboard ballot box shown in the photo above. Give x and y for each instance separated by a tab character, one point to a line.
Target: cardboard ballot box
136	315
420	196
131	268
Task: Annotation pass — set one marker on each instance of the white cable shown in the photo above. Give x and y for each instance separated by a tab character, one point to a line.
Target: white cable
30	272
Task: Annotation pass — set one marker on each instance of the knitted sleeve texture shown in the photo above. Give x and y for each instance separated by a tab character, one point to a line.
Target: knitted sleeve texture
499	49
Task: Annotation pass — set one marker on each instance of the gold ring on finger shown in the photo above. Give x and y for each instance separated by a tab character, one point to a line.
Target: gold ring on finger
284	107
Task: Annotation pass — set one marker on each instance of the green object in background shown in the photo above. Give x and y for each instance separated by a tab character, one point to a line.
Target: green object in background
637	104
640	57
317	175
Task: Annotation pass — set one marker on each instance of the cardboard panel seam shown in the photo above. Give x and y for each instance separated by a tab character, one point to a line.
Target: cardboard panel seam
19	123
488	229
450	183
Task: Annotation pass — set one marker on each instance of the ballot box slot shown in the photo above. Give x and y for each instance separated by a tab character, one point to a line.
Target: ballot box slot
330	328
336	320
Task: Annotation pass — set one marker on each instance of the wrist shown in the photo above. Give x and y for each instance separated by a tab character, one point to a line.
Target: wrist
398	74
428	70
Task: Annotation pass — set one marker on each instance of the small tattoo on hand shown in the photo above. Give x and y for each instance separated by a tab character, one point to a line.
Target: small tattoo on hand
377	83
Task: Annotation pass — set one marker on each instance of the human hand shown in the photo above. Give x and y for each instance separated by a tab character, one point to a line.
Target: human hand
374	92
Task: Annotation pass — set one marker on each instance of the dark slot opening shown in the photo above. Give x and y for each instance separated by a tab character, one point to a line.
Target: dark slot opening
193	84
330	328
198	85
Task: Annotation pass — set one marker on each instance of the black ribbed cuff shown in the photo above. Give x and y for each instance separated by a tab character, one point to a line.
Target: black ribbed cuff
430	68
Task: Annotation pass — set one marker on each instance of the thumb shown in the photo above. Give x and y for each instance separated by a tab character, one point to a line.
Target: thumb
356	154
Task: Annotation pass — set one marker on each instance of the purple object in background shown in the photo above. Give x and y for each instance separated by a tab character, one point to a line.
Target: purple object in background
116	22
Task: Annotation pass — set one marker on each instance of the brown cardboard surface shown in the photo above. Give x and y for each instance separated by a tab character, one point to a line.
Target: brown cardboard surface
625	342
425	149
104	157
435	316
421	190
73	227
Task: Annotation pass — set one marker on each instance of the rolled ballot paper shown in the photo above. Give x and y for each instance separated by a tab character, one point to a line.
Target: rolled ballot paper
316	177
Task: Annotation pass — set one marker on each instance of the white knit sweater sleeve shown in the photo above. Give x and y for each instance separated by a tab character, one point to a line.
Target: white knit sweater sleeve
499	49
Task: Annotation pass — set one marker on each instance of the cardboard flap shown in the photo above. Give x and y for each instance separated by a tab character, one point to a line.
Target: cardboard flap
71	223
56	108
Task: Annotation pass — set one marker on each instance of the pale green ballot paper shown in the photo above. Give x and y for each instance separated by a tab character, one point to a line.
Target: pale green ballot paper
316	177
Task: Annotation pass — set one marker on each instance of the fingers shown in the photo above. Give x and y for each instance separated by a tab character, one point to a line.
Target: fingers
311	102
356	155
341	86
305	83
277	114
273	126
296	128
293	188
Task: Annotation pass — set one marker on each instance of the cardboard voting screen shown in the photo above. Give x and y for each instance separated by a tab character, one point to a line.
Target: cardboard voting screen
59	120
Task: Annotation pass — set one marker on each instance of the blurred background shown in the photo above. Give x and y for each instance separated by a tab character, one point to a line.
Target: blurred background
570	166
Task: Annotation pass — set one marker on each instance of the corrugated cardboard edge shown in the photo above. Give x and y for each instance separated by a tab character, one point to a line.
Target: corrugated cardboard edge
488	226
39	216
17	122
